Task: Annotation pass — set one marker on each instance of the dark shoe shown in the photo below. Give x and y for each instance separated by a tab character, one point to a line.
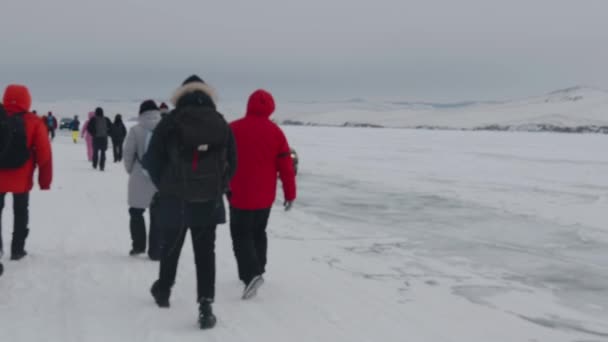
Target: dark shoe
206	318
136	252
251	290
1	268
18	255
160	297
154	257
18	244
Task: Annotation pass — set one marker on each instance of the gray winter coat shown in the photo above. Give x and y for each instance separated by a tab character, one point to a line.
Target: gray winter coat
141	188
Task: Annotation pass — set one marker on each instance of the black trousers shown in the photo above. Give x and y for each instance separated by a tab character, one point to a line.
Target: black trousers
249	241
21	216
177	217
137	226
100	145
52	133
117	149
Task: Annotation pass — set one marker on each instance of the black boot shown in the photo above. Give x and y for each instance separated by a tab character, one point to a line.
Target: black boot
18	245
137	226
161	297
136	252
1	268
206	318
15	256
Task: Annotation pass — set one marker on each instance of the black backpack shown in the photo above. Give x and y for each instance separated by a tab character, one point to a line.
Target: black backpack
197	168
14	152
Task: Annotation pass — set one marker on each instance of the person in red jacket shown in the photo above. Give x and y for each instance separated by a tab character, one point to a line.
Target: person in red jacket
262	153
20	181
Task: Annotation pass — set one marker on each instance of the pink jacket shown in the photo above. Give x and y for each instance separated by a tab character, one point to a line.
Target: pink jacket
85	132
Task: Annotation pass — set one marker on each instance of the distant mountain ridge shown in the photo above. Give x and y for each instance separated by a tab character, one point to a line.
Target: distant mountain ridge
576	109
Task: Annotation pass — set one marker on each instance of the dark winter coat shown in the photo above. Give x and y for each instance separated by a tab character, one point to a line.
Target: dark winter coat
75	125
119	131
263	154
173	213
157	156
98	121
51	122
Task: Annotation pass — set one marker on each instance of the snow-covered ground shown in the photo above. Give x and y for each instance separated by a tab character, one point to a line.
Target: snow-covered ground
398	235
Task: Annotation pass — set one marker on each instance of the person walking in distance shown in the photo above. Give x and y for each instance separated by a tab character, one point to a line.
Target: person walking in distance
191	163
88	137
51	124
164	110
75	128
141	188
24	146
99	128
263	152
119	133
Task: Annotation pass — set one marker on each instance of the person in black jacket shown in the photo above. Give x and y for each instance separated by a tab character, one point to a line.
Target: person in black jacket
100	129
119	133
194	139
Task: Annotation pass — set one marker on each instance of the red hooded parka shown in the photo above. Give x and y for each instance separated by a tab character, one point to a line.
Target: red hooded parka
17	99
263	153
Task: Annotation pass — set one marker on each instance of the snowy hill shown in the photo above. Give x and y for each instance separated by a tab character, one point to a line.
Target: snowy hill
567	109
577	109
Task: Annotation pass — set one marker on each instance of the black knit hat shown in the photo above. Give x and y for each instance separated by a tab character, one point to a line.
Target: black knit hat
193	79
147	106
98	111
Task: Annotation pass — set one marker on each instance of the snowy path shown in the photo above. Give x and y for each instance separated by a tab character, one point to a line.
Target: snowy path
398	236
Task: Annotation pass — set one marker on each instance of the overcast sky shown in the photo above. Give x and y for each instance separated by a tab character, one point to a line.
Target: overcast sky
445	50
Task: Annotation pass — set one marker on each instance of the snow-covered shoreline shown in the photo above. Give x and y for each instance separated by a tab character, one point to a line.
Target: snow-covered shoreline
572	110
497	128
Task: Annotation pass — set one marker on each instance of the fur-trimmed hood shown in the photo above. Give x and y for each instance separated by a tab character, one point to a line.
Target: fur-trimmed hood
191	88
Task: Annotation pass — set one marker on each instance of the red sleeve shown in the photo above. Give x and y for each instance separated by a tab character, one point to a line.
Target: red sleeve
285	167
44	157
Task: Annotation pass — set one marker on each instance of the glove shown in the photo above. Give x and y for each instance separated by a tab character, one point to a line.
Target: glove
288	205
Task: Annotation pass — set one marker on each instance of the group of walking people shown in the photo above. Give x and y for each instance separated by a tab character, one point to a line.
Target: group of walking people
97	131
181	165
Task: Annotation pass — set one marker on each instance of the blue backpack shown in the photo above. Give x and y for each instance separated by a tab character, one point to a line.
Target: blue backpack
50	122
